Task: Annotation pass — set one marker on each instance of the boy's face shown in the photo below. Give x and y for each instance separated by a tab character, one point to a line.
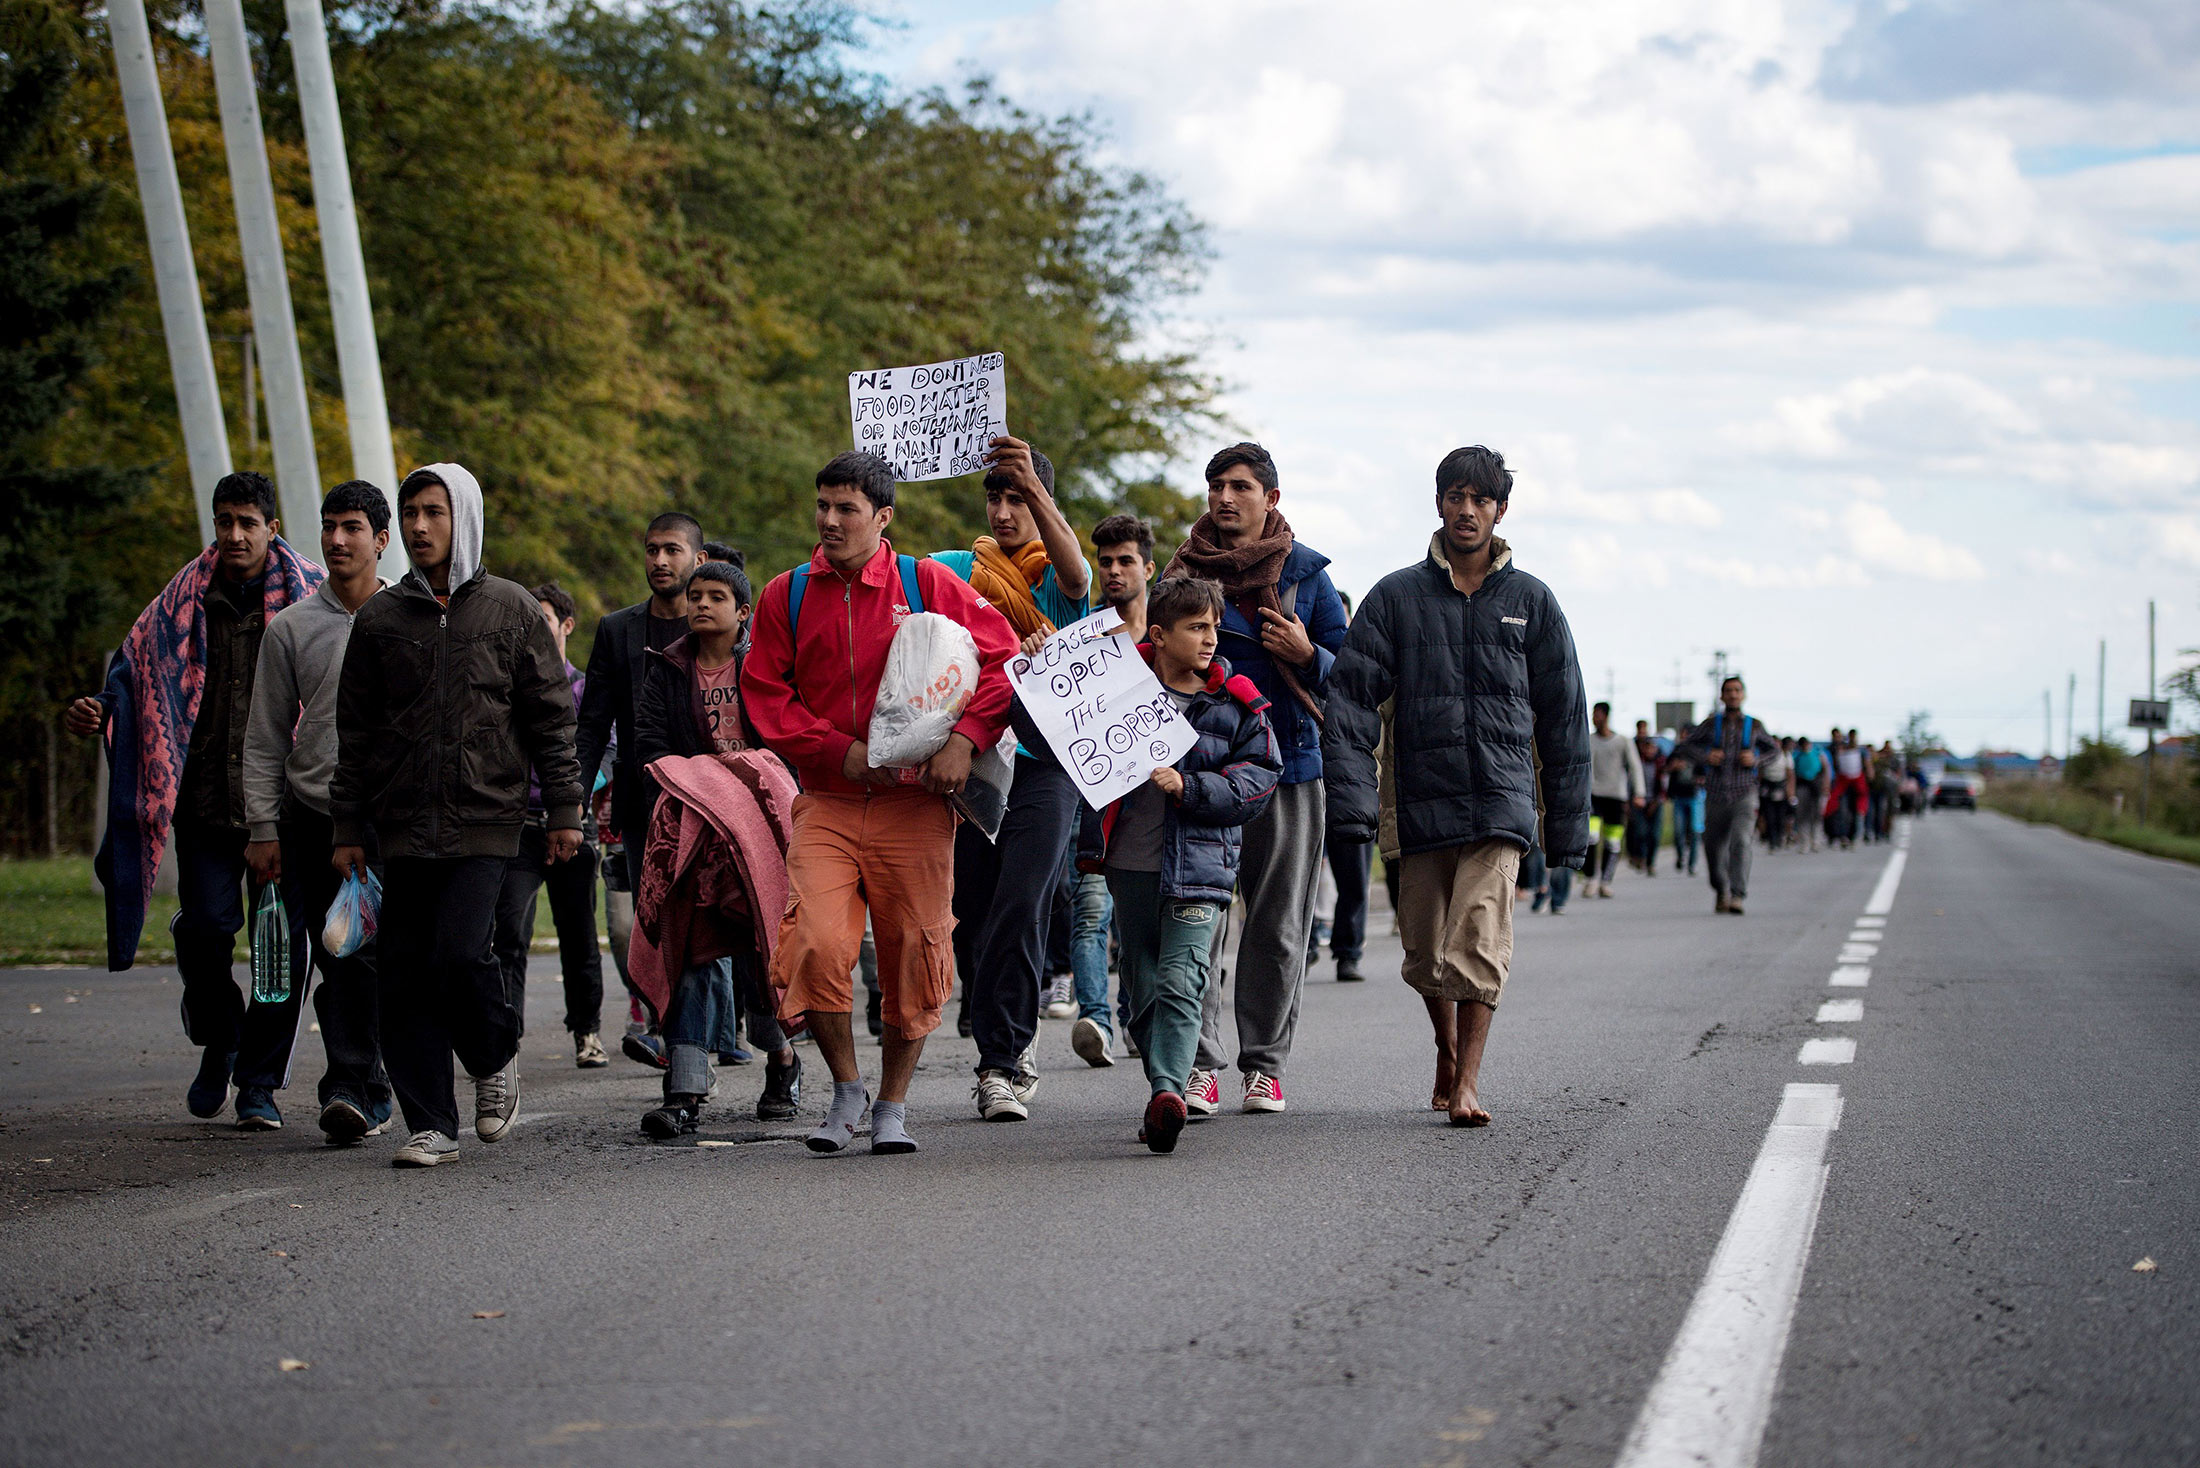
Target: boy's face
712	607
1009	518
1189	643
426	519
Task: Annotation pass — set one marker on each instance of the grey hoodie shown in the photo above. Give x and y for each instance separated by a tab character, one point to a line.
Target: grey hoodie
291	739
465	492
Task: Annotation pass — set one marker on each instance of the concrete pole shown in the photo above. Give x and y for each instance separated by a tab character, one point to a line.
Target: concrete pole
2100	697
175	275
2146	775
358	356
266	278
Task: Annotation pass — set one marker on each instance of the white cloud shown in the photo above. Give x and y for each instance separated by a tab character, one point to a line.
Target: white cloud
1823	571
1878	539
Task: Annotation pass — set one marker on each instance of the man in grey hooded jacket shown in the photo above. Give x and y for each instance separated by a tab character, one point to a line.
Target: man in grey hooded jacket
453	690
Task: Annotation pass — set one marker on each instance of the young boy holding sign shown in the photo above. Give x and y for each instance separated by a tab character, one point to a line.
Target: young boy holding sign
1172	844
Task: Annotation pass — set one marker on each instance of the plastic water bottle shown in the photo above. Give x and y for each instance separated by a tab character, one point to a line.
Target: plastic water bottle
270	948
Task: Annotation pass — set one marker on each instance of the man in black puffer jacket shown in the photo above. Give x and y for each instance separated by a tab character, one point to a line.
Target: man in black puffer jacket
1461	668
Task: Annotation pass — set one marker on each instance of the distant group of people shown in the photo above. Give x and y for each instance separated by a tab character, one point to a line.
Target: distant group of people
1721	789
312	729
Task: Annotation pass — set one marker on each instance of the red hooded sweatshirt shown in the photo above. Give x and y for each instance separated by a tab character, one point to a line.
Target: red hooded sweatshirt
810	696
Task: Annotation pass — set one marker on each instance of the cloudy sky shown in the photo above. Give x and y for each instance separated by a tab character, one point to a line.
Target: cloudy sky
1860	341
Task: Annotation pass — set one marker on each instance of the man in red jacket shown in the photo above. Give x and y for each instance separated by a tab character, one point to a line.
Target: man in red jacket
863	837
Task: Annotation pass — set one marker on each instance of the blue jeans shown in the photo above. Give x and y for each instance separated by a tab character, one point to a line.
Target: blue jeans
1687	832
210	911
699	1023
1095	910
1562	886
1168	944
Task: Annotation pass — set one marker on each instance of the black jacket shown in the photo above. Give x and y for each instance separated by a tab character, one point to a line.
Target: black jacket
1228	778
1483	695
668	712
608	700
440	715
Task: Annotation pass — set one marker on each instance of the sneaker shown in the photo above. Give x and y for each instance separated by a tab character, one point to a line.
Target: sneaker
647	1049
344	1122
1734	906
496	1102
256	1110
1164	1122
674	1119
1348	971
1604	889
1061	998
736	1056
782	1098
1026	1076
378	1116
1540	899
1263	1093
1091	1043
997	1100
1719	903
426	1149
1202	1093
588	1052
210	1087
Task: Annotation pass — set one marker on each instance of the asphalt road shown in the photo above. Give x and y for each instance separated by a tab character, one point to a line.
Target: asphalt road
1350	1282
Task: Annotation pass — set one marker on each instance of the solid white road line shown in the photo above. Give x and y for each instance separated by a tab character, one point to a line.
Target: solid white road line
1827	1052
1840	1011
1882	900
1850	976
1713	1396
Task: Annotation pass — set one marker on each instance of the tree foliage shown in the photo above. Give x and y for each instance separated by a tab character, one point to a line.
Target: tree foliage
622	259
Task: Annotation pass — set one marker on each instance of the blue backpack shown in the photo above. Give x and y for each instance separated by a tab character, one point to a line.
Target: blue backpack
799	580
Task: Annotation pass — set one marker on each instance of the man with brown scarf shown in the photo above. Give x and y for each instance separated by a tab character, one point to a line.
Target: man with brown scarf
1033	570
1282	626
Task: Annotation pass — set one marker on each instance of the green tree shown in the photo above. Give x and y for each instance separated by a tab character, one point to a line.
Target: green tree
56	597
1918	735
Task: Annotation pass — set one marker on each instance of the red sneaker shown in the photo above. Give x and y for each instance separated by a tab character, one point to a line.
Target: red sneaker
1263	1093
1202	1093
1164	1120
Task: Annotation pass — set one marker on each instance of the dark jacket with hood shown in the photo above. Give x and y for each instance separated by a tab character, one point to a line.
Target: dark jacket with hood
1228	777
442	711
1478	704
668	710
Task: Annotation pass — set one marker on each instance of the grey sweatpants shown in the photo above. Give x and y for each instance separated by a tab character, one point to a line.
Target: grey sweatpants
1729	836
1277	872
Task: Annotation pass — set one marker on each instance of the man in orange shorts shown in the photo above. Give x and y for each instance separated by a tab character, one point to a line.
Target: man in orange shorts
863	837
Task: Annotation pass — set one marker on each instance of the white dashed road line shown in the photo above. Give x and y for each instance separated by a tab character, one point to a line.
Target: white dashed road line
1713	1395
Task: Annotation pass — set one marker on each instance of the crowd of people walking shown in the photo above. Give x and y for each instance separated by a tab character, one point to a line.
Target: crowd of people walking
310	730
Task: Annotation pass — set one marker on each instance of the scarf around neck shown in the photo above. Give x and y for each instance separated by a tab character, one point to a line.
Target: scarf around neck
1008	578
1248	574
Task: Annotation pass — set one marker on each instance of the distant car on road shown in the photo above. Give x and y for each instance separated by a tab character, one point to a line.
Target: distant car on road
1956	788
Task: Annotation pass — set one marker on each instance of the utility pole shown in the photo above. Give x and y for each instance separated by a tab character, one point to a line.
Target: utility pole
175	274
2146	776
358	357
2100	698
2047	726
251	404
2070	715
266	276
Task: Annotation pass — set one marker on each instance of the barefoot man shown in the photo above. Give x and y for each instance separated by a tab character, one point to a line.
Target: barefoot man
1462	669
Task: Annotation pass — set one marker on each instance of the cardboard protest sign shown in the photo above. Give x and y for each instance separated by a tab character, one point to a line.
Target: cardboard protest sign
1104	714
931	421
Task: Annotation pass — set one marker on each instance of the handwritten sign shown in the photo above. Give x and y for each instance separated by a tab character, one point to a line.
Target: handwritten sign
932	421
1104	714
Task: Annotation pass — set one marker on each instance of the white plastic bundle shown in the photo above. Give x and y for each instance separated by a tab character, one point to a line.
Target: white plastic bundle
931	671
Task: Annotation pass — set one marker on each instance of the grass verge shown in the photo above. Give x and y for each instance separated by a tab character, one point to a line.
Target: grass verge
52	910
2086	815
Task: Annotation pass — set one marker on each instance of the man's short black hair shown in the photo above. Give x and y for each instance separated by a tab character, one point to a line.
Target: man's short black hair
1122	530
718	550
418	480
724	573
1252	456
1176	597
995	480
359	495
1600	707
1479	469
863	471
559	600
247	488
1732	678
681	521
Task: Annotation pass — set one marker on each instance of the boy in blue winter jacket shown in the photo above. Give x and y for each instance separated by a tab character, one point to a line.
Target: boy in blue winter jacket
1172	844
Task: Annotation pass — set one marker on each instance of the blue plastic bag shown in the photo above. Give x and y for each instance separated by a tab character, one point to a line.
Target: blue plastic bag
353	916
